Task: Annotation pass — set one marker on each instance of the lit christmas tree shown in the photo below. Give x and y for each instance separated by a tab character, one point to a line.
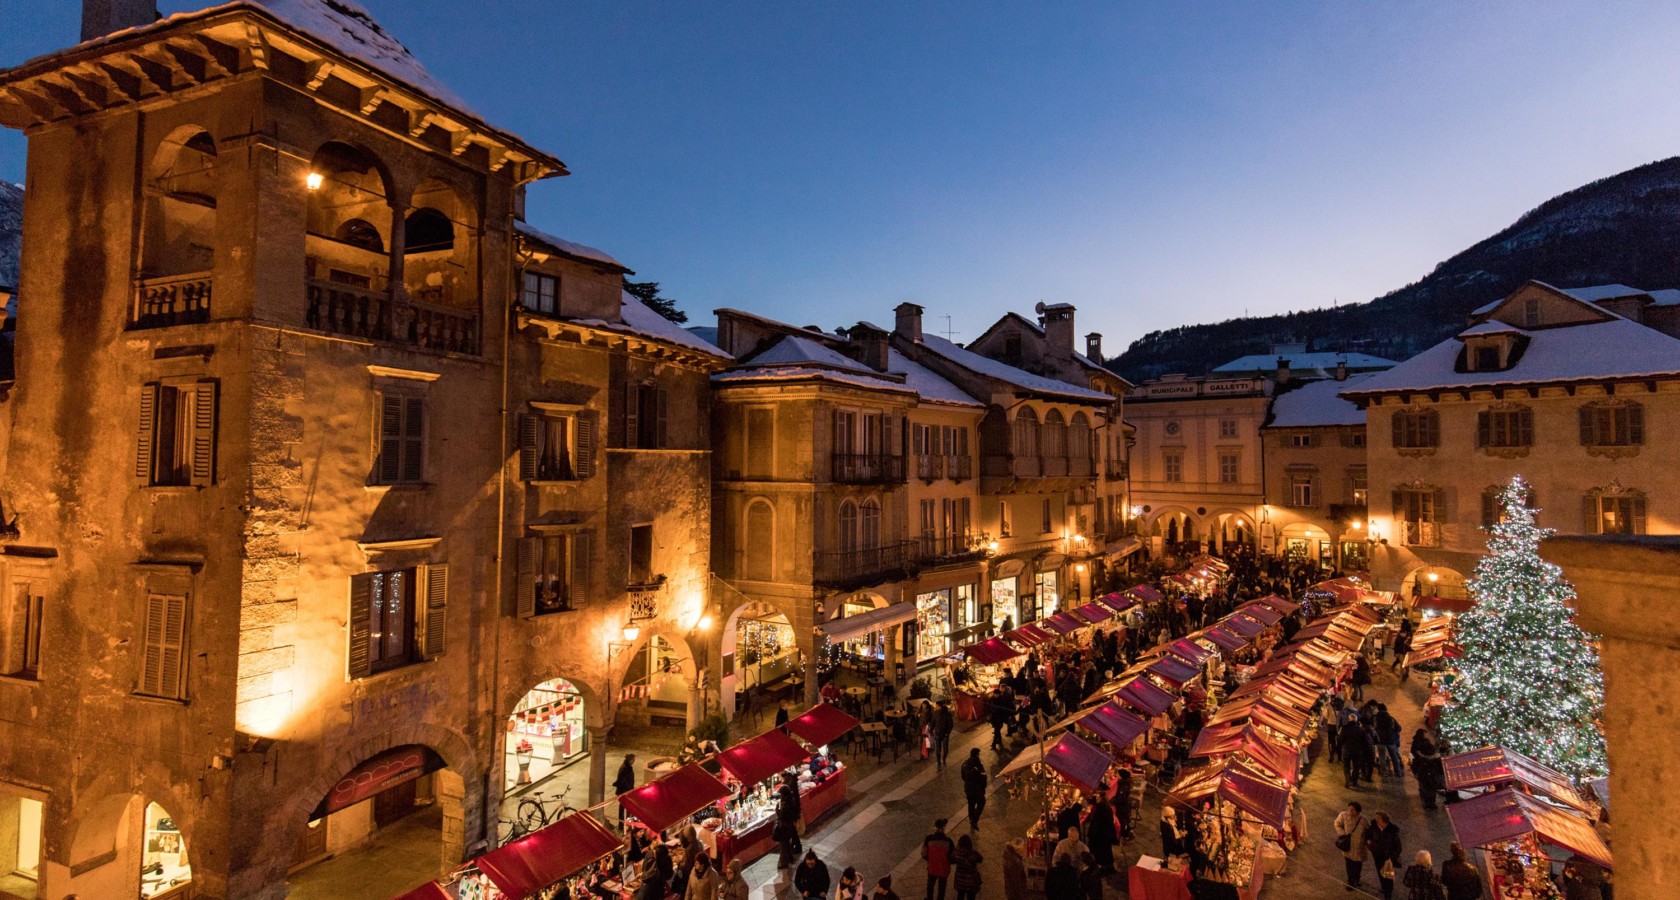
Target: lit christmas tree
1529	677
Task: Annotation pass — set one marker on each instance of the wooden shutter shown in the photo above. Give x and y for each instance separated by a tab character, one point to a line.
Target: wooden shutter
1398	420
584	465
204	433
1638	513
145	445
1590	522
1635	424
414	440
361	610
890	445
1589	430
1484	429
528	426
1490	507
525	576
1525	427
151	659
163	660
582	558
661	438
632	415
436	610
388	467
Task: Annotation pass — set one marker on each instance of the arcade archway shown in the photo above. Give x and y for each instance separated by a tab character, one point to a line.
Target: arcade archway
1429	582
547	731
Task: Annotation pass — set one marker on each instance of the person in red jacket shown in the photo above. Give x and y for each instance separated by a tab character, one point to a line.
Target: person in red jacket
936	849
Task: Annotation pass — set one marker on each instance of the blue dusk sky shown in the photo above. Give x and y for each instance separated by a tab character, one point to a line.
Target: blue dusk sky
1155	164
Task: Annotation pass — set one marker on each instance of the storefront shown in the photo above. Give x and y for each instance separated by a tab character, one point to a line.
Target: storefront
1044	601
868	644
933	623
545	732
1006	612
165	870
764	651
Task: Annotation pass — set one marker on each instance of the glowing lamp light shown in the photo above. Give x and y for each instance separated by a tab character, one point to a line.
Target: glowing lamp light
314	181
992	546
631	632
1358	526
1080	568
1433	577
1079	539
705	623
1137	511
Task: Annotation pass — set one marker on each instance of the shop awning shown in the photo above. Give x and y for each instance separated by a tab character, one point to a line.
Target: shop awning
1249	791
1244	626
1212	562
1439	624
1115	723
991	652
1145	593
1278	603
1118	602
1454	605
1173	670
756	759
1119	550
1262	710
857	626
661	803
1030	636
1190	651
1049	561
1499	767
1225	639
1260	751
546	856
1264	613
1145	696
1431	652
1494	820
1075	759
431	890
1094	613
1062	623
821	724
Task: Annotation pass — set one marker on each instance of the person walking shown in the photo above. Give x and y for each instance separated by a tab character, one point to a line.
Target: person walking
851	885
1351	827
1427	768
1462	880
883	889
625	782
1355	746
1090	878
734	887
811	878
1420	879
1101	833
998	712
1331	714
1388	740
965	869
936	850
1361	676
1384	839
974	787
943	724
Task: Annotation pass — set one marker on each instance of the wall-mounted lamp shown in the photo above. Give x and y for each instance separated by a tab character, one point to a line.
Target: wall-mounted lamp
1433	577
1079	568
314	181
631	632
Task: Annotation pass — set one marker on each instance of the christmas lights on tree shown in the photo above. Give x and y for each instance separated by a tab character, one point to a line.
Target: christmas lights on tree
1529	676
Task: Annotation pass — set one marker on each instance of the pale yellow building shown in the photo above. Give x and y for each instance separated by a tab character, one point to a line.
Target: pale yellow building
1313	448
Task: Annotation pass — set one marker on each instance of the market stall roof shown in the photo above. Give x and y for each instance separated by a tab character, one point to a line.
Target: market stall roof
1146	696
1115	723
1116	551
1117	602
1303	661
1278	603
1144	593
1430	638
663	802
546	856
1245	626
1358	610
1492	820
1225	639
755	759
1244	788
1061	623
1261	751
821	724
431	890
990	652
1454	605
1498	766
1263	710
1094	613
1430	652
1075	759
1030	636
1261	611
1190	651
1441	624
1212	562
1174	670
850	627
1285	686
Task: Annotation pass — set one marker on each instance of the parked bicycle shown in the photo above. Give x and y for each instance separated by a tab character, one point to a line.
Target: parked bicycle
535	811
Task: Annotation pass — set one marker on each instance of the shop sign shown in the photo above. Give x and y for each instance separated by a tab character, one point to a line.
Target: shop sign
382	772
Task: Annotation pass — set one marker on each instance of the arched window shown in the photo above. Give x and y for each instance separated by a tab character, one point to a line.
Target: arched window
848	527
1079	438
178	244
361	233
869	526
428	229
1026	433
1054	437
760	544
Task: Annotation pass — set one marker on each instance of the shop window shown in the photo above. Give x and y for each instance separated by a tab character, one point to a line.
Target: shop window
401	456
1612	424
540	293
164	864
1415	429
20	655
397	617
645	418
1505	428
641	555
545	732
554	573
933	623
176	443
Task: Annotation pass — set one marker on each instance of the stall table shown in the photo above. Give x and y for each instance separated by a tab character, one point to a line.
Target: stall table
821	799
747	845
970	707
1157	884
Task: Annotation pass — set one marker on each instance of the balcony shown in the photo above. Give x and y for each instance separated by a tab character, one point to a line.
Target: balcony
867	468
950	548
1053	466
848	569
1082	468
959	468
1420	534
1117	470
930	468
1003	465
175	300
376	316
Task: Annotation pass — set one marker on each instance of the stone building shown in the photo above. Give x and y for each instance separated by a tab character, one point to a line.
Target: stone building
1548	383
300	437
1312	450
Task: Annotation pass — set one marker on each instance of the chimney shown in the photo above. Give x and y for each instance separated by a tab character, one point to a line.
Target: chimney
868	345
1093	348
1341	369
1057	319
1282	376
102	17
909	324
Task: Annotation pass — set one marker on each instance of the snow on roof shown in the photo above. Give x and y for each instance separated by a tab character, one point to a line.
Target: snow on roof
638	319
1598	292
1305	361
1317	403
927	383
567	247
800	373
793	350
1617	348
1665	296
1491	326
1008	374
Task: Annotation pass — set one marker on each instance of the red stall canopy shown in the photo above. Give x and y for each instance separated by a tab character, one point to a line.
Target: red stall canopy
1195	653
1225	638
1278	603
1072	757
1146	696
544	857
1498	767
1248	790
1094	613
1062	623
1433	651
1115	723
1173	670
821	724
1145	594
1261	611
1117	602
661	803
990	652
1455	605
755	759
431	890
1030	636
1492	820
1244	626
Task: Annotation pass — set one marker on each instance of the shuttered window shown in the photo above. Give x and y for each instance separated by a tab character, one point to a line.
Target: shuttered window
175	444
1621	513
554	573
646	417
1612	425
1416	429
20	652
540	293
641	555
163	646
545	448
1505	428
397	617
401	457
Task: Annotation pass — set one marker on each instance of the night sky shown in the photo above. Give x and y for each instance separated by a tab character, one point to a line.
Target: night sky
1154	165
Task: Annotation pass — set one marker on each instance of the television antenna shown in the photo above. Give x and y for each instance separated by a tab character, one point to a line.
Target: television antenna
949	332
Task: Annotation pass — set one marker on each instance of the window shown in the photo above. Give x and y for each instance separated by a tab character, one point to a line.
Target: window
641	554
1531	312
1301	440
1353	438
1301	490
1054	436
20	655
869	525
1172	467
1615	512
554	572
758	556
1230	463
1507	427
1026	433
557	448
163	645
1416	511
396	618
402	440
541	293
1006	522
760	441
930	527
1612	424
645	408
1492	514
1416	429
1048	523
1227	428
1486	358
848	527
1358	494
177	437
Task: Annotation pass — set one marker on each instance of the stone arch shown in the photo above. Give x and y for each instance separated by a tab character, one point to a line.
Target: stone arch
178	229
440	246
1448	583
594	718
350	189
686	669
1025	431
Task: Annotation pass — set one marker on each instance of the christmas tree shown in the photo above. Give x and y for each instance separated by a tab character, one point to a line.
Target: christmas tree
1529	676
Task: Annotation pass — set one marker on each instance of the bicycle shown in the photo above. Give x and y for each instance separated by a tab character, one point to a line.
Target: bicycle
533	813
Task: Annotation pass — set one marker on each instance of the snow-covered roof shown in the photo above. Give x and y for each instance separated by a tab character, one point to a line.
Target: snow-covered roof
1008	374
794	358
1595	294
793	350
1080	358
928	384
1616	348
1305	361
569	248
1318	403
640	320
1491	326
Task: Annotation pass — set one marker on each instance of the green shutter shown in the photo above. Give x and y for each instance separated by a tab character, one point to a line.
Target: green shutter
361	611
414	440
1590	521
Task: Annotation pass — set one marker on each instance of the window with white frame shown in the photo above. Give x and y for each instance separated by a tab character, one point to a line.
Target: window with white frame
1230	466
541	293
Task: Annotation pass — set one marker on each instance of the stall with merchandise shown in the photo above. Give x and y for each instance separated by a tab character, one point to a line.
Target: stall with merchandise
543	864
1519	837
755	767
1241	813
1057	774
672	798
981	674
823	786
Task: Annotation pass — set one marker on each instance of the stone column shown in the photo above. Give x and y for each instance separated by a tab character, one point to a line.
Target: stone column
399	248
695	712
892	635
811	663
597	762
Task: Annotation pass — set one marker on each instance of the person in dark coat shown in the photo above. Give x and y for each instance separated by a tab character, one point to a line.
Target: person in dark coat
965	869
1383	838
974	787
1090	878
811	878
1462	880
1427	767
625	782
943	724
1354	746
1101	834
1063	880
999	707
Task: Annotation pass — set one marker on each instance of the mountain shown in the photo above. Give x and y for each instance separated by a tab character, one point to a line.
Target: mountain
11	232
1620	229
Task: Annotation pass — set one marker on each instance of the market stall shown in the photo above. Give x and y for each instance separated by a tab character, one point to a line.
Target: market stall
1029	636
980	662
1061	772
540	860
755	766
673	797
431	890
824	789
1235	806
1491	768
1516	833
